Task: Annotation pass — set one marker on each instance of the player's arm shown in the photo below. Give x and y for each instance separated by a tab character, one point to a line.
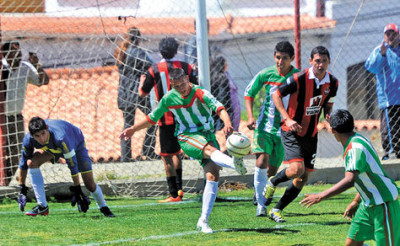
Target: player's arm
224	116
146	83
128	132
290	123
344	184
249	94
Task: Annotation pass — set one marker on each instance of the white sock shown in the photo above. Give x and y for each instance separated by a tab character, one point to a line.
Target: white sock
38	186
98	196
222	160
209	196
260	181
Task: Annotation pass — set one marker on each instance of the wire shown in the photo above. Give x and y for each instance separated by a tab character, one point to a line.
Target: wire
348	33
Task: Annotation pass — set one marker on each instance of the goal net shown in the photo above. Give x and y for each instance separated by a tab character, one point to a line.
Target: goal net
83	45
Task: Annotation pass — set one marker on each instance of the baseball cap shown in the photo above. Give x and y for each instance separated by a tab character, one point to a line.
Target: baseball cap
391	26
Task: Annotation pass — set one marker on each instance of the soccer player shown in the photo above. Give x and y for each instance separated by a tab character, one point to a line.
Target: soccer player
157	77
192	107
376	208
308	93
51	140
267	144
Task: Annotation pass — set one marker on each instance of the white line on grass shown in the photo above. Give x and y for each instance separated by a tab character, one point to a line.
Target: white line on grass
183	234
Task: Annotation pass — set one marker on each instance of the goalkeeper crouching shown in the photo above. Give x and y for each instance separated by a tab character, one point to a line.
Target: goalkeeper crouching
192	107
50	140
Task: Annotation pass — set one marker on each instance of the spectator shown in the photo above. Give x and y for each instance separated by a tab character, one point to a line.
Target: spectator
132	62
220	88
16	74
384	62
236	110
158	76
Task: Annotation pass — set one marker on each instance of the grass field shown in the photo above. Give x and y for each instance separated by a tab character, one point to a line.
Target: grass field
145	222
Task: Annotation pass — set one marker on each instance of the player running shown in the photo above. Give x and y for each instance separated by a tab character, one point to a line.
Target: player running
267	144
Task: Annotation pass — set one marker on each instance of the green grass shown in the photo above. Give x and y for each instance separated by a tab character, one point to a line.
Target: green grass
145	222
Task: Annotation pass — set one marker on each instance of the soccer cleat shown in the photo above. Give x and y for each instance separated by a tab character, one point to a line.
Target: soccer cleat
180	193
202	225
38	210
239	165
106	211
171	199
276	215
269	193
261	211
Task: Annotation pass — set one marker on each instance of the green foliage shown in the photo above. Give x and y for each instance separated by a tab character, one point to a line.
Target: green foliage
146	222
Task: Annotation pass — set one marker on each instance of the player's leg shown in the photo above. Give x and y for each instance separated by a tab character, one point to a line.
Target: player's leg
170	150
37	181
209	195
260	182
85	168
386	219
361	228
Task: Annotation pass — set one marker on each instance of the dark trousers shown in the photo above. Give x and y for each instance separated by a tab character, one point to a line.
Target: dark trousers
390	130
148	143
14	137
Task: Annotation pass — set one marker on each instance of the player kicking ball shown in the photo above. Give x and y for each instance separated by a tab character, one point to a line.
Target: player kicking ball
192	107
50	140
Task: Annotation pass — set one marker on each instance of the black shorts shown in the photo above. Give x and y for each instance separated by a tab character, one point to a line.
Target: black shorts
168	142
299	149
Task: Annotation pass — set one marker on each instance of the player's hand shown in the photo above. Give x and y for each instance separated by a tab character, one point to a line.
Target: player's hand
127	133
79	199
293	125
350	210
227	130
23	191
310	200
251	124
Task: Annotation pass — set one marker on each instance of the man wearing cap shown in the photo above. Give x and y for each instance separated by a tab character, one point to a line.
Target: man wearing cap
384	62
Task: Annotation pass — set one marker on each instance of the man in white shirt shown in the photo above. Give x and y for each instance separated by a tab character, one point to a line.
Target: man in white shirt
15	75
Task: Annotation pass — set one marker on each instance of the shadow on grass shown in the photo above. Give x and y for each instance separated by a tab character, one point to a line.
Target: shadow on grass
310	214
278	231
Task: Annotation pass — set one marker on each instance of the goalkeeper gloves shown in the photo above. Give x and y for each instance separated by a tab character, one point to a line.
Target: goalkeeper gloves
23	190
79	199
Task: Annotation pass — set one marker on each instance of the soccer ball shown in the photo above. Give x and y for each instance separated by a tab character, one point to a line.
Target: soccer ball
238	144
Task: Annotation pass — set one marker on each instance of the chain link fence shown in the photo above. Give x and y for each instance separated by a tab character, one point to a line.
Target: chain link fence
78	43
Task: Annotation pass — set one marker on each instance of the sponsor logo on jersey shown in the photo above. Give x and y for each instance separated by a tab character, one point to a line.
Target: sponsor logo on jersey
314	107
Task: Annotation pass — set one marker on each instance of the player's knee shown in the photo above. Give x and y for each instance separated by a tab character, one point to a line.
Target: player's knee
297	170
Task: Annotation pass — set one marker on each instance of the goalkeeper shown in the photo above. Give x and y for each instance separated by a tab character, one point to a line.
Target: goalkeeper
192	107
51	140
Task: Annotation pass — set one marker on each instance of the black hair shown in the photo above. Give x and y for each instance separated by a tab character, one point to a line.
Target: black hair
218	64
36	124
134	35
341	121
284	47
176	73
168	47
7	46
320	50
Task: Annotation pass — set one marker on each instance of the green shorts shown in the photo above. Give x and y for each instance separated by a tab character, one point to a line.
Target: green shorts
380	223
193	144
264	142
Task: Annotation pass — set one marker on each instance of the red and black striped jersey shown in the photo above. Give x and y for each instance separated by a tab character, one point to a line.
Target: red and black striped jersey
157	76
308	96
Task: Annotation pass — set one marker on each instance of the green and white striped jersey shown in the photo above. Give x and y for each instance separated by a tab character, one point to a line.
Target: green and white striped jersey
373	184
269	118
192	113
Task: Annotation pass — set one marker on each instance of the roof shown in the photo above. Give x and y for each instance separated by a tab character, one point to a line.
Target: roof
45	25
88	98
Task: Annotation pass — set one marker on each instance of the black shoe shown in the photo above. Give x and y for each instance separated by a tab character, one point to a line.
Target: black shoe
107	212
